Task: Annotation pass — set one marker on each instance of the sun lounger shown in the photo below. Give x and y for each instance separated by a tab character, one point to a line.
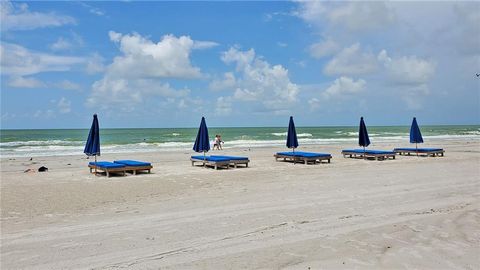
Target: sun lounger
215	162
219	161
433	152
107	167
375	154
234	160
306	157
135	166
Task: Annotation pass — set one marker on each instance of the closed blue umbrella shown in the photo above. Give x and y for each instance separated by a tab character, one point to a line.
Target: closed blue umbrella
415	134
202	143
92	147
363	139
292	141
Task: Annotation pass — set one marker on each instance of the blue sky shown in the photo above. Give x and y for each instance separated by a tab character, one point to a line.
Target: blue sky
166	64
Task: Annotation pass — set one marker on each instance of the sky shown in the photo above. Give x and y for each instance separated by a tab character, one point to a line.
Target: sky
166	64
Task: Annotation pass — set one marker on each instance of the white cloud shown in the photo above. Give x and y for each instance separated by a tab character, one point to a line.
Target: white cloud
67	85
126	94
135	76
95	64
63	44
324	48
64	105
200	45
351	61
242	59
18	17
141	58
25	82
343	87
407	69
353	16
92	9
311	11
282	44
47	114
260	82
227	82
19	61
223	106
357	16
314	104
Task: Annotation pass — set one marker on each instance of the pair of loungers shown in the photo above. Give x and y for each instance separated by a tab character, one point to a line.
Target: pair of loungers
305	157
382	155
220	161
120	166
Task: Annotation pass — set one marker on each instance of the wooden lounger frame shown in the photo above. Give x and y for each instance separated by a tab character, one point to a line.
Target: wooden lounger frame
305	160
434	153
135	169
108	170
218	164
379	156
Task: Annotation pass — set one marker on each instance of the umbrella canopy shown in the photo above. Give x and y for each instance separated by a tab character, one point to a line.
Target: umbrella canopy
92	147
202	143
292	141
415	134
363	139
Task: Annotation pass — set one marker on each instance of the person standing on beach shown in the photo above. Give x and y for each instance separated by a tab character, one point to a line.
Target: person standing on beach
218	142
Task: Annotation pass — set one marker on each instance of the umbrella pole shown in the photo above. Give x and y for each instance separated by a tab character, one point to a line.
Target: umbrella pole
416	148
294	157
95	164
364	156
204	159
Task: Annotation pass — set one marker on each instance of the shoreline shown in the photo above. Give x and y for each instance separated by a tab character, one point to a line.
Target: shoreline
304	142
421	212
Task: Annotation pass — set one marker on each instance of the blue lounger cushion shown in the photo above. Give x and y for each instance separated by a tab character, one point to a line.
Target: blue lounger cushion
132	163
211	158
371	152
106	165
419	149
303	154
231	157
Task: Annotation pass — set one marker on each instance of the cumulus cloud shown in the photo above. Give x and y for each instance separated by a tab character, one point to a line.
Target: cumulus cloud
64	105
64	44
324	48
352	16
126	94
18	17
141	57
223	106
19	63
227	82
343	87
260	82
95	64
407	69
137	74
25	82
351	61
67	85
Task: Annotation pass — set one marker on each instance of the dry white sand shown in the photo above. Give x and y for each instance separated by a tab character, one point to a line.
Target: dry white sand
408	213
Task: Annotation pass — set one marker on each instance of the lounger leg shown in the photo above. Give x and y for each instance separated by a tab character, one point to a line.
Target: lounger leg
90	170
108	174
216	167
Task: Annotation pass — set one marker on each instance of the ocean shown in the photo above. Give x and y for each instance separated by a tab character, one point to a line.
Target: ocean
49	142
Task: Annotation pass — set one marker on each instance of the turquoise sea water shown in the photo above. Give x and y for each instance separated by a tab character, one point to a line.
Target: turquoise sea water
26	143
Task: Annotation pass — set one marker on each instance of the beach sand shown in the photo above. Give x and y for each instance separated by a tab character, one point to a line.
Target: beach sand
408	213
